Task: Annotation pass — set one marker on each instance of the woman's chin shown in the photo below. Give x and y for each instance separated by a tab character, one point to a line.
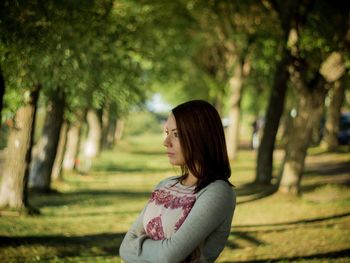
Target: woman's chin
175	162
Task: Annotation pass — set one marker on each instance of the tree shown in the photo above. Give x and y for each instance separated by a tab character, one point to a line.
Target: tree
311	79
2	92
57	171
93	141
237	28
20	101
224	36
291	15
331	128
13	190
42	164
73	141
310	109
48	43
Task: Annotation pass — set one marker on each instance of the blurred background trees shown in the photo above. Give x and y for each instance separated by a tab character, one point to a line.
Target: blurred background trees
72	71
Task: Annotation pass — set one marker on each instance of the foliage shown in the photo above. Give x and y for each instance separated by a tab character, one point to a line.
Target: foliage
324	34
220	29
120	51
82	48
142	122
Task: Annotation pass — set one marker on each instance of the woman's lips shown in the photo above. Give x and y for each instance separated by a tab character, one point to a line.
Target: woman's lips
170	154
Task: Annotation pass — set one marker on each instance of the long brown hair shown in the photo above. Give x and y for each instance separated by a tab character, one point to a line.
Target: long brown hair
203	142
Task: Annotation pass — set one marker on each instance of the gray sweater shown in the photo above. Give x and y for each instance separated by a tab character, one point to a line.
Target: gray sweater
208	225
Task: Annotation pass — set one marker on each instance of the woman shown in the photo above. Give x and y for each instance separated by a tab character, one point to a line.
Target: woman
188	217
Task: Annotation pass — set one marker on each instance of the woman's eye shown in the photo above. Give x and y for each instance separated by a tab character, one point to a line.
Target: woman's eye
176	135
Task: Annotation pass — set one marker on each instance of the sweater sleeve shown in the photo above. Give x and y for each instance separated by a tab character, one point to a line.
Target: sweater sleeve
214	207
131	244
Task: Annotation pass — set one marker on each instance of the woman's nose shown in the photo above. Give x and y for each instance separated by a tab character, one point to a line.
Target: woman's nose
167	142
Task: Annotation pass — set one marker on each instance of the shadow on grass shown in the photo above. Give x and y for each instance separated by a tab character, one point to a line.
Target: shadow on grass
243	236
329	255
327	173
341	149
338	173
102	244
113	167
249	236
328	168
335	181
252	188
146	152
92	196
251	192
297	222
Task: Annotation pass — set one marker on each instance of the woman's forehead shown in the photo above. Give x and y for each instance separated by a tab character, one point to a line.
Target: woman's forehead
170	123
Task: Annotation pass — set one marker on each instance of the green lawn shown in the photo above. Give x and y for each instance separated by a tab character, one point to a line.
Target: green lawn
88	217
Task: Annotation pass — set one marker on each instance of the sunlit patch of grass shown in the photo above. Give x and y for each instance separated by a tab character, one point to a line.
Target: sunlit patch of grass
329	193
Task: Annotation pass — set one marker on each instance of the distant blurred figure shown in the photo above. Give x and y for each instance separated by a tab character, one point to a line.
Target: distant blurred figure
257	127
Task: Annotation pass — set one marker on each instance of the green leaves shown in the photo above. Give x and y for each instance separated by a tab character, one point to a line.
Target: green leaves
84	48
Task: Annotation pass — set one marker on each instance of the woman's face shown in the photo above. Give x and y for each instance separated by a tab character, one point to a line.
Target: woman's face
172	142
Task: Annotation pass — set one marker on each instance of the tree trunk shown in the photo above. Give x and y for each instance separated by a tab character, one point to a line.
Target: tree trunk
105	125
57	166
272	120
310	108
311	98
292	16
120	123
13	191
234	113
2	93
41	169
331	128
112	126
218	103
92	144
72	146
93	141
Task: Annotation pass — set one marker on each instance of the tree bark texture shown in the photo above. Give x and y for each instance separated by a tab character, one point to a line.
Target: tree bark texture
310	109
105	125
120	123
292	15
331	128
13	191
2	93
112	126
72	146
272	120
311	97
234	112
110	140
93	143
57	166
41	168
92	146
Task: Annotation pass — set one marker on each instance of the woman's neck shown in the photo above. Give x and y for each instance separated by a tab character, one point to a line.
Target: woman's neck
190	180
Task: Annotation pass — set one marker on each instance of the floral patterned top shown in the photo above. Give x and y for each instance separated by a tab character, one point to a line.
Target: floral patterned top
201	220
167	209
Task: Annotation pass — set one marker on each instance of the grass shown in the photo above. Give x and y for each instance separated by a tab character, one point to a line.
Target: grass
87	218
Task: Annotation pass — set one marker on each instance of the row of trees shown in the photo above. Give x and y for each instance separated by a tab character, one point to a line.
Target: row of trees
295	50
86	64
80	58
94	60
